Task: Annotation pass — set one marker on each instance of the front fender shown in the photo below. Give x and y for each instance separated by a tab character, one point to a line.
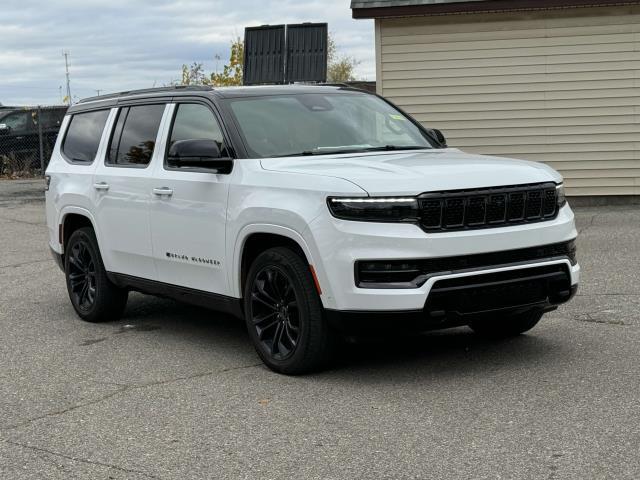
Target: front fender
305	242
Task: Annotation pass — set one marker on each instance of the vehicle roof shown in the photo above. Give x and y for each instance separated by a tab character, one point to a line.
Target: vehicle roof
109	100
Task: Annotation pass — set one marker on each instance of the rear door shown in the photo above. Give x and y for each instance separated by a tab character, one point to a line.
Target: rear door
122	188
188	207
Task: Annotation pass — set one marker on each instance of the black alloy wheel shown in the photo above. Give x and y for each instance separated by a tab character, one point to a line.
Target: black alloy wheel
82	276
274	312
93	296
284	314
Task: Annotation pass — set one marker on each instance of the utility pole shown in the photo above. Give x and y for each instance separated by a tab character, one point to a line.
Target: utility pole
66	67
98	91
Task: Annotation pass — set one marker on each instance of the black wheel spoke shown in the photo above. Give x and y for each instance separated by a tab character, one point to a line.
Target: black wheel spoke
261	289
91	294
268	317
274	312
256	297
83	293
289	294
291	335
277	336
264	331
273	284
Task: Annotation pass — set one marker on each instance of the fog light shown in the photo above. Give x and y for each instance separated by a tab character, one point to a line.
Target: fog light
390	274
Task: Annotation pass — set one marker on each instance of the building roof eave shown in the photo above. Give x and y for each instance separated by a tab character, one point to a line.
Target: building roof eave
476	6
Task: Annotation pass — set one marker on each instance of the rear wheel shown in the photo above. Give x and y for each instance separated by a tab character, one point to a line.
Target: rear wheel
507	325
284	315
93	296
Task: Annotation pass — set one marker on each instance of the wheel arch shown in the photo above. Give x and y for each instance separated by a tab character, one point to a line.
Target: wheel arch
255	239
71	219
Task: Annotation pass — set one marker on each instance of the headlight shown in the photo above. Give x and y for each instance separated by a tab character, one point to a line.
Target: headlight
560	196
381	209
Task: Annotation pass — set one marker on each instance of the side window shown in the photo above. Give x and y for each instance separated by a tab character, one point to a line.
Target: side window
194	121
134	137
83	136
17	122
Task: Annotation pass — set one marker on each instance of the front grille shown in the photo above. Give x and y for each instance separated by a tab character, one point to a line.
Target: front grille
412	273
488	207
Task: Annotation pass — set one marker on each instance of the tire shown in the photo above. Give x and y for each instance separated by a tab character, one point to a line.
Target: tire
507	325
93	296
284	314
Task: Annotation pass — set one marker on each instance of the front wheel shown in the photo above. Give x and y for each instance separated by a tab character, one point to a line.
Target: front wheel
507	325
284	315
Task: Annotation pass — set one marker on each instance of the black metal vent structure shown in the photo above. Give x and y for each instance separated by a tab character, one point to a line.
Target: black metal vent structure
487	208
264	55
307	50
285	54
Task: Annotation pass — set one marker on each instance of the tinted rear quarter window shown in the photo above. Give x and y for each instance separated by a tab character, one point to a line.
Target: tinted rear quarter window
134	137
83	136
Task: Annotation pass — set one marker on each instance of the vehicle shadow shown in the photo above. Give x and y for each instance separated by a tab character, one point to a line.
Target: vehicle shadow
447	352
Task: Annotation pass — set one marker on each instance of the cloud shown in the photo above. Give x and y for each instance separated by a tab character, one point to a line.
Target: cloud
123	44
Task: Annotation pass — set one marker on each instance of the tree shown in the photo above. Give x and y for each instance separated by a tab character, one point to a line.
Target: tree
231	74
340	68
194	75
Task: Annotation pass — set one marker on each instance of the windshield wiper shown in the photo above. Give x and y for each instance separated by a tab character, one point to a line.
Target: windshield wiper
386	148
389	148
308	153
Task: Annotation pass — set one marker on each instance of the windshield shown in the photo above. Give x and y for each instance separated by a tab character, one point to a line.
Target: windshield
322	124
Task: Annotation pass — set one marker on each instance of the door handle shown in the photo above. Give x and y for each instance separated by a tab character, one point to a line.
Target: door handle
163	192
101	186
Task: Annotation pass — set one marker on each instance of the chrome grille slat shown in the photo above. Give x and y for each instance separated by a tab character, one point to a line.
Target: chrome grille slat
488	207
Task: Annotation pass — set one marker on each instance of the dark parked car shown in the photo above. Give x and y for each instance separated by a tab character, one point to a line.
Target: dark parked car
19	133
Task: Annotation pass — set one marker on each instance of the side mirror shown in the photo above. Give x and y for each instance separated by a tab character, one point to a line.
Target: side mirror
198	154
439	136
4	128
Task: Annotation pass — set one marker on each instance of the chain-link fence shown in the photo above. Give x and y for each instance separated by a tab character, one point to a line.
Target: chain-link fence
27	137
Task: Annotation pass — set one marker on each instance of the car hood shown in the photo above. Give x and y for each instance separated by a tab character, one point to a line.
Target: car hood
414	172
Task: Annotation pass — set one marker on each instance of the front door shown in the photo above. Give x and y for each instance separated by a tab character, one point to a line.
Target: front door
122	189
188	208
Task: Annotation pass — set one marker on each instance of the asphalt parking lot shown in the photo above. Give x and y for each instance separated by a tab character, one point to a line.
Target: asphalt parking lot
176	392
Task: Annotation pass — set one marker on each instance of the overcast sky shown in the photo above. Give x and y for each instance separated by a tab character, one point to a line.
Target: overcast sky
122	44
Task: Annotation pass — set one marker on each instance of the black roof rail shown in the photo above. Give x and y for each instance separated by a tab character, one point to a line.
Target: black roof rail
172	88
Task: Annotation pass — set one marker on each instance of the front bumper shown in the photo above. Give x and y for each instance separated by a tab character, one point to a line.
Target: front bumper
435	318
340	244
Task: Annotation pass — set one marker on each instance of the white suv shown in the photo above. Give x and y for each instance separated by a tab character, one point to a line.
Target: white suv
309	211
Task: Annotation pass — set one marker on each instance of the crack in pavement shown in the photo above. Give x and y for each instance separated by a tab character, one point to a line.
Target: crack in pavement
82	460
608	295
33	262
37	224
588	318
123	389
587	227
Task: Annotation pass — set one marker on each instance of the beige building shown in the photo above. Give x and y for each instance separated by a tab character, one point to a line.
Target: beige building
556	81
